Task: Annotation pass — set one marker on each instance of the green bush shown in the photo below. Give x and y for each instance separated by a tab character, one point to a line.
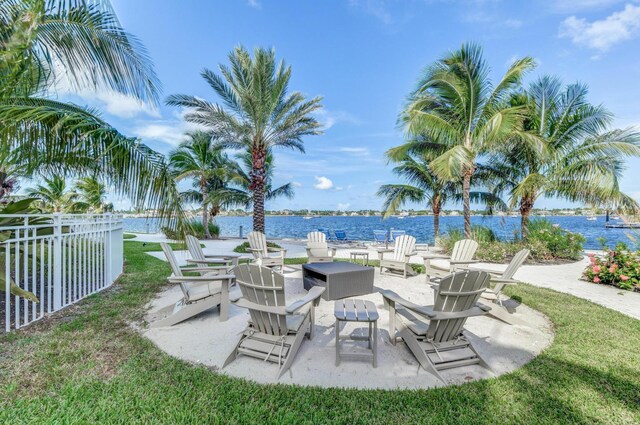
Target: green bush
243	248
619	267
196	229
546	241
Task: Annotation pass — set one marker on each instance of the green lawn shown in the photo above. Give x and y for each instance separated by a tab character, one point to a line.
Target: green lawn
91	367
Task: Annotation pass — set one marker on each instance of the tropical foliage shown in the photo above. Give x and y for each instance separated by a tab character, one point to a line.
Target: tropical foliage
92	195
54	196
423	185
546	241
580	159
256	114
76	45
210	169
195	228
617	267
457	105
547	140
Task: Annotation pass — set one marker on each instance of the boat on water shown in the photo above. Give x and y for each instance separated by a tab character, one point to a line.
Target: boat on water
622	225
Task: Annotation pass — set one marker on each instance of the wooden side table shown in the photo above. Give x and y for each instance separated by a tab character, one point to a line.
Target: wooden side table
352	310
363	255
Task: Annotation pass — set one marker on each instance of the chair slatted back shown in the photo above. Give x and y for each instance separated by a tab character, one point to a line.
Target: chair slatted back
171	258
325	232
193	245
175	268
394	234
263	286
464	250
457	292
517	261
317	244
403	245
341	235
257	240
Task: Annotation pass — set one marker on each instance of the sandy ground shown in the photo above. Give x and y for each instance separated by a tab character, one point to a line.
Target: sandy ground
205	340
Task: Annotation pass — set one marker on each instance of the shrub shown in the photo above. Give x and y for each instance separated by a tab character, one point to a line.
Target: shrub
243	248
196	229
619	267
546	241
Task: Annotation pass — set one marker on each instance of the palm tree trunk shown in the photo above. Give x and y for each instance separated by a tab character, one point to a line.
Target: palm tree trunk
258	208
526	205
466	202
205	212
257	175
436	207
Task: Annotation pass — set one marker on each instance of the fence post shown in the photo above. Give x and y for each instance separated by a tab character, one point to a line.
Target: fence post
115	248
240	232
57	262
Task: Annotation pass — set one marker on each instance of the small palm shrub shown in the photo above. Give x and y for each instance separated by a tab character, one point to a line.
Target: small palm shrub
243	248
546	241
196	229
618	267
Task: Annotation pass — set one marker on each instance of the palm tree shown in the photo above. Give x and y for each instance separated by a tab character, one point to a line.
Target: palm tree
257	113
239	192
92	194
78	44
198	158
581	159
455	104
55	196
423	186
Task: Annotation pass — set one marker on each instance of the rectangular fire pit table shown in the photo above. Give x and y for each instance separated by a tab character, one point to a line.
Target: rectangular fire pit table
341	279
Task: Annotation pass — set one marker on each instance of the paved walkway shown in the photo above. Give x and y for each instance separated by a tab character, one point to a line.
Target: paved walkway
562	278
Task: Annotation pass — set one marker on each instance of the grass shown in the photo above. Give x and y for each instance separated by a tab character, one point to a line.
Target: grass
89	366
128	236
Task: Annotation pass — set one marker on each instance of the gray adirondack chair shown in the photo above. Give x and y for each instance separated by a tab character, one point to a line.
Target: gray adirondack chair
262	254
199	257
317	249
500	279
398	257
461	257
200	293
276	330
434	334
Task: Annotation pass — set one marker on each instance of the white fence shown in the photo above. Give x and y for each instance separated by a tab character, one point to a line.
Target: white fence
61	258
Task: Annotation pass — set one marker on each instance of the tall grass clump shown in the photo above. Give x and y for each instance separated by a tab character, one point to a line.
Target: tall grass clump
195	228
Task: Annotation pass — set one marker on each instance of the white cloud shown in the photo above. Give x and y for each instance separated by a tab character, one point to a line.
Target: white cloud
323	183
344	206
339	188
296	184
328	118
117	104
354	150
601	35
169	131
255	4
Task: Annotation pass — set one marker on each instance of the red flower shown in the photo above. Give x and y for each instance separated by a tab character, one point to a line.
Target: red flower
596	279
624	278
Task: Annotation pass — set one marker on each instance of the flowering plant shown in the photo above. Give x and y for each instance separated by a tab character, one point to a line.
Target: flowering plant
618	267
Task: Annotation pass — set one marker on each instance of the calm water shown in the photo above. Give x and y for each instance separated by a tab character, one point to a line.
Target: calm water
361	228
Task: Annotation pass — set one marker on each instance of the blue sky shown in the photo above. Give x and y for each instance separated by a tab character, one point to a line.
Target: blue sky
363	57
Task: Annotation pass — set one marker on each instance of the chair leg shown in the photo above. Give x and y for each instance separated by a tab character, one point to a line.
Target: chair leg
182	312
419	353
293	350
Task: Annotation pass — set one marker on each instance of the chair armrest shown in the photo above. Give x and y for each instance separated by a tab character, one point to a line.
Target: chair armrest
464	262
492	272
225	256
313	294
434	256
182	279
204	269
477	310
390	296
332	251
505	281
213	260
245	303
411	254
